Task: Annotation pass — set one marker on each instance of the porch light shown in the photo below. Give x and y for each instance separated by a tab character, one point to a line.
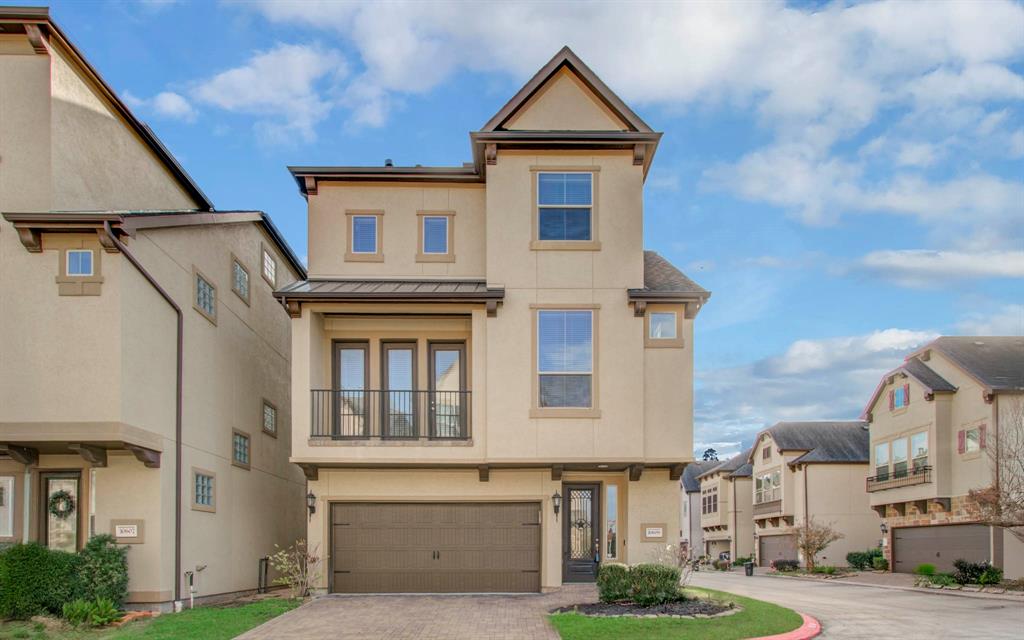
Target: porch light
884	528
556	502
311	503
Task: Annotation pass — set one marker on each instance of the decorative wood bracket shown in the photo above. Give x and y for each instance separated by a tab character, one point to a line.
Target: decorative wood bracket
24	455
691	310
485	473
556	472
36	38
294	308
491	153
310	185
148	457
879	509
105	241
987	396
921	506
900	508
492	308
311	472
869	417
676	471
929	396
639	308
96	456
635	471
639	154
30	238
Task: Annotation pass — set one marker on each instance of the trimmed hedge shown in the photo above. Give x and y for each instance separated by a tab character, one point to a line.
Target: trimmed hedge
613	582
976	573
785	565
643	584
863	560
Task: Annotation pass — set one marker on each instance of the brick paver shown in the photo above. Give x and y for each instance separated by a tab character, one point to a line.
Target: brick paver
416	617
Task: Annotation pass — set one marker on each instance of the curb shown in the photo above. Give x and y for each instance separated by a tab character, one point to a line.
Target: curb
809	629
937	592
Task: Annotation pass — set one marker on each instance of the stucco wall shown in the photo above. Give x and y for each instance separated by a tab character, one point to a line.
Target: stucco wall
835	496
565	103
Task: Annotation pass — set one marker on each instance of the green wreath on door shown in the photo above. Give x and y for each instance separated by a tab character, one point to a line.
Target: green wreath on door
61	504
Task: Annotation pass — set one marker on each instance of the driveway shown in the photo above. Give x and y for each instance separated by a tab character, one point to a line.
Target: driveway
849	611
416	617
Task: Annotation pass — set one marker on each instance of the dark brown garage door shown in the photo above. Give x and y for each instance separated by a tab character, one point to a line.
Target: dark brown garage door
776	548
939	545
435	547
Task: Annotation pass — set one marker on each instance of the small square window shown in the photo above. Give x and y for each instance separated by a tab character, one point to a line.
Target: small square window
79	262
240	449
269	268
269	418
204	497
435	234
364	234
240	280
206	297
663	325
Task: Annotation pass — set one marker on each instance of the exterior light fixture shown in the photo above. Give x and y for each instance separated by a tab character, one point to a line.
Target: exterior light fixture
884	529
556	502
311	503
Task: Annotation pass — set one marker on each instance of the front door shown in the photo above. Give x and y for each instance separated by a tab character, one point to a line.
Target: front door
581	532
61	502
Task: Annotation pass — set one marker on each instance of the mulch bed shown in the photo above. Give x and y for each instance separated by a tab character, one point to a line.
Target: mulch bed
688	608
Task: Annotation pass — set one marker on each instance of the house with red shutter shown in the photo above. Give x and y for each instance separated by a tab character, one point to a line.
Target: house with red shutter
936	422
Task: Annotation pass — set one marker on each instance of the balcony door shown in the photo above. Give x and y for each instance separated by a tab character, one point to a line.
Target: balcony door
447	390
351	396
399	386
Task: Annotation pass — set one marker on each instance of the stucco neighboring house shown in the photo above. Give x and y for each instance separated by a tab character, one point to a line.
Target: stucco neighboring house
691	535
726	501
493	380
811	469
934	422
168	429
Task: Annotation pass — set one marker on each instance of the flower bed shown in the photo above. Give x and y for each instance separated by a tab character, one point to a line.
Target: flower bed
689	608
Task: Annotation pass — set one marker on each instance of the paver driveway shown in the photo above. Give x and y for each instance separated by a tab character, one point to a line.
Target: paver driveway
850	611
415	617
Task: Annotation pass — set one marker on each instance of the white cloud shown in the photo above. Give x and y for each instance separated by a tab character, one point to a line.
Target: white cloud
919	267
284	86
167	104
1006	321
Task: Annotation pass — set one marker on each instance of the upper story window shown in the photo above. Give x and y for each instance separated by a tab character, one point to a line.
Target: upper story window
269	418
565	362
899	457
709	501
204	490
564	206
240	279
899	397
663	325
205	296
240	449
919	449
79	262
766	453
882	460
269	267
436	236
365	236
971	440
768	487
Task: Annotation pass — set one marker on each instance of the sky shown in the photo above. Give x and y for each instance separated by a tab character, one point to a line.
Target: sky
846	178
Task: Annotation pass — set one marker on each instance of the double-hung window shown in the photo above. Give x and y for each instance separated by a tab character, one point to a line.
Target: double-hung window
919	450
882	461
565	204
79	262
365	236
565	358
6	506
899	458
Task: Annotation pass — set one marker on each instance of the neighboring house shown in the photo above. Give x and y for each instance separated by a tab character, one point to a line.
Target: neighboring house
813	469
934	420
726	500
99	219
691	535
493	380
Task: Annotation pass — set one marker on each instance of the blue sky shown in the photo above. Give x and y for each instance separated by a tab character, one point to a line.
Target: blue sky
846	178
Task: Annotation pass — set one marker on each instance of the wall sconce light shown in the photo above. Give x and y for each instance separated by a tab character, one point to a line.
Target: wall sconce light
556	503
311	503
884	529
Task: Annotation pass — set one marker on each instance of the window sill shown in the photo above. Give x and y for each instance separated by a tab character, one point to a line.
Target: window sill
565	245
550	412
200	507
435	257
272	434
202	312
364	257
244	299
235	463
664	343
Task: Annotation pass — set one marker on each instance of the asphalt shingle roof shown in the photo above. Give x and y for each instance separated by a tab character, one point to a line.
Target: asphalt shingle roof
827	441
998	362
737	466
661	276
693	471
926	375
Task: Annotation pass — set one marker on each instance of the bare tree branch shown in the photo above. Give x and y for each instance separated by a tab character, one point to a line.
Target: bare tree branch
1001	504
812	538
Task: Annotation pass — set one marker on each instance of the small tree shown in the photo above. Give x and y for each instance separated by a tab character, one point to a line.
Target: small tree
812	538
299	567
710	455
1001	504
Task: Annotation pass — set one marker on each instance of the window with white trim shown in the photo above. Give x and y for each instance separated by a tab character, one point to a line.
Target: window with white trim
899	457
565	358
882	460
662	325
768	487
79	262
564	206
919	449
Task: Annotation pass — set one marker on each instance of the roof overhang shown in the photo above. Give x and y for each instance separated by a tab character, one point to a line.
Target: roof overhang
386	291
308	178
694	301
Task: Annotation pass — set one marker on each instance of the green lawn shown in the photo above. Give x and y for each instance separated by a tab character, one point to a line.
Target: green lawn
756	619
203	623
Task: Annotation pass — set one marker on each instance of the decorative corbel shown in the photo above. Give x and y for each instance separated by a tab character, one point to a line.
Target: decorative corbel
635	471
31	239
105	241
944	503
492	308
639	308
691	310
491	153
148	457
24	455
311	472
556	472
294	308
310	185
639	154
987	396
929	396
676	471
485	473
36	38
96	456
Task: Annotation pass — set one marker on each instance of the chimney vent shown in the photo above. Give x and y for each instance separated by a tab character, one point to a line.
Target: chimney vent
388	163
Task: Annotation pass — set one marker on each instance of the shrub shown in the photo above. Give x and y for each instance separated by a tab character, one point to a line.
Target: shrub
652	584
862	560
943	579
925	569
785	565
77	612
35	580
880	564
991	575
106	566
743	560
969	572
613	582
827	570
103	612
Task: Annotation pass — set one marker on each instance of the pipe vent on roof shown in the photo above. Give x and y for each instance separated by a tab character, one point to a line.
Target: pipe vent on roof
388	162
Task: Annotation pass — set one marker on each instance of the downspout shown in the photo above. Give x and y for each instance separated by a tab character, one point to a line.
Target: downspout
177	398
735	524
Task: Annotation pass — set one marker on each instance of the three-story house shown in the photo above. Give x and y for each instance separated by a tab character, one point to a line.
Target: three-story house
493	378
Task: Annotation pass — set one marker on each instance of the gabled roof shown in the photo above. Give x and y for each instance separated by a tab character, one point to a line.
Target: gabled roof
30	18
913	368
566	58
997	362
693	471
663	282
824	441
737	466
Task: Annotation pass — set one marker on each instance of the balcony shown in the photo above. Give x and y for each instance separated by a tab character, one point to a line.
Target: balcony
769	507
342	414
899	478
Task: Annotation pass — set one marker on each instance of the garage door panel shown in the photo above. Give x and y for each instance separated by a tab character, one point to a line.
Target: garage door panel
435	547
940	546
777	548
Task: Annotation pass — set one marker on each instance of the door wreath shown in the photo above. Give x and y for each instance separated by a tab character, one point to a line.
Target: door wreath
61	504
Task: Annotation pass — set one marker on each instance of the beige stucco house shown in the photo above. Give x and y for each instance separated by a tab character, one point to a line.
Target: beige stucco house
144	378
492	379
935	421
811	470
691	535
726	508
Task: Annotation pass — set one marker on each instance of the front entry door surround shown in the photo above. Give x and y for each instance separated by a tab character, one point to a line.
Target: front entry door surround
581	532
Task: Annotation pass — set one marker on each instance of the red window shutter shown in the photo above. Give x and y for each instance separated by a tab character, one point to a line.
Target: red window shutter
961	441
892	399
981	436
906	394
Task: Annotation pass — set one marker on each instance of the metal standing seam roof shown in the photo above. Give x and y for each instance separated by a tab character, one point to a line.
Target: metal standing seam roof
377	288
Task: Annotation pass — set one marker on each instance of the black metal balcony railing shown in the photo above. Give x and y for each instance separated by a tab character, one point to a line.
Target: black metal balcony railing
900	478
398	415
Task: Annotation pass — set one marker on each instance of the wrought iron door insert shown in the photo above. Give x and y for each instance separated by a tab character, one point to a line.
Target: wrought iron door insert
581	532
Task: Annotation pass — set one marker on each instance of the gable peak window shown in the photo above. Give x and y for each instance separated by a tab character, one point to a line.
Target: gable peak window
79	262
565	358
565	203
